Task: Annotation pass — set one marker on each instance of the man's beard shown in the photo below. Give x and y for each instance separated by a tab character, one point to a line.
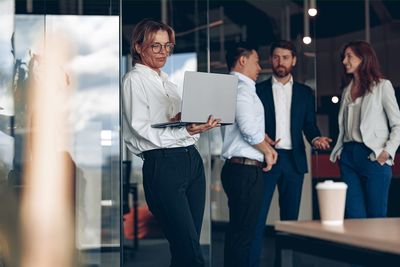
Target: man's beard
282	71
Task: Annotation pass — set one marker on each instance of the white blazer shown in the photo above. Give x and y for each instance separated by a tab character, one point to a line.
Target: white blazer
380	122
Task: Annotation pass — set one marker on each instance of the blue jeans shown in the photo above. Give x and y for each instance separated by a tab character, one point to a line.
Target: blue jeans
368	182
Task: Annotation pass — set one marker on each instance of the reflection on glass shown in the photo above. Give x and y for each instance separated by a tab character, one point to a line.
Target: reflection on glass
48	175
6	79
9	247
92	121
176	66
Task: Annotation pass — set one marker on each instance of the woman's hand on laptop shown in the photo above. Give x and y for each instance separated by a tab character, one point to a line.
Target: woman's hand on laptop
177	117
195	128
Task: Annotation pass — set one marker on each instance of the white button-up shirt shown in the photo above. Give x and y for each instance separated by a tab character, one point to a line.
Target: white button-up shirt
149	98
249	127
283	101
352	119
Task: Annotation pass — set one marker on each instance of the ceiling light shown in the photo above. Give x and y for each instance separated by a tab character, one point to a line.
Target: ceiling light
312	11
307	39
335	99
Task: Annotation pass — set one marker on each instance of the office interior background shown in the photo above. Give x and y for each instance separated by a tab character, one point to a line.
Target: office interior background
110	223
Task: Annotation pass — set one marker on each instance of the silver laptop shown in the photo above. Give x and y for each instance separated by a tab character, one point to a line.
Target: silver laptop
206	94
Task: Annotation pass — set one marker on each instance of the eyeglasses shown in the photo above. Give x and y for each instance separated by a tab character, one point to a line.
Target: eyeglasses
157	47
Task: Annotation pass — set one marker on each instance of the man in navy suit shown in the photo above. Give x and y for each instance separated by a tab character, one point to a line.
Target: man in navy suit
289	112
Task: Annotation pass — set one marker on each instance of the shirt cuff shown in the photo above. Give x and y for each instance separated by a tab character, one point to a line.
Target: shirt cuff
187	134
180	133
254	140
315	138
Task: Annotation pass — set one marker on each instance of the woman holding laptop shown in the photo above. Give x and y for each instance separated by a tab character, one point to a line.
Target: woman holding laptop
173	172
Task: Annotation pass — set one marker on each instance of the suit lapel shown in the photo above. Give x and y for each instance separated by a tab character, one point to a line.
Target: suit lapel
267	97
270	98
295	107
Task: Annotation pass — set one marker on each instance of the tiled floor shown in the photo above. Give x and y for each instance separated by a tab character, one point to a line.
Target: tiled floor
155	253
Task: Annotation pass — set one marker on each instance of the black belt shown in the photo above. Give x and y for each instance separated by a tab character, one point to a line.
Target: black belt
168	151
246	161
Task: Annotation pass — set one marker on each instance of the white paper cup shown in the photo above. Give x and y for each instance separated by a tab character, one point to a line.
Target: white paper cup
331	199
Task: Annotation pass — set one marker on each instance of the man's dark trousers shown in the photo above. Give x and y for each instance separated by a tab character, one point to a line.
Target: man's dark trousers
243	185
290	183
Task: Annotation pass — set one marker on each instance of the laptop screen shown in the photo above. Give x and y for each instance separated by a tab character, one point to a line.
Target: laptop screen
206	94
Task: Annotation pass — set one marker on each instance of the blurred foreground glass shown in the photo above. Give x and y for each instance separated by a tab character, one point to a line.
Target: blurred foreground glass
6	85
91	121
48	226
9	246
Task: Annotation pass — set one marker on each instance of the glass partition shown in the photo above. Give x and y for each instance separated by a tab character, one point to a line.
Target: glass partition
9	252
6	85
143	235
264	23
89	81
270	21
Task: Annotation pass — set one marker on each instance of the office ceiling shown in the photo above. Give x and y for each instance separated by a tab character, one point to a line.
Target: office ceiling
261	19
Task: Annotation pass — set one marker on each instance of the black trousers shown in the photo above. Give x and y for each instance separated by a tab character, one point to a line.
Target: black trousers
174	184
285	175
243	185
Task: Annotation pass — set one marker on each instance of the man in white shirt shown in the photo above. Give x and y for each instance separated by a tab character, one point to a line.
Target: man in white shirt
247	154
289	113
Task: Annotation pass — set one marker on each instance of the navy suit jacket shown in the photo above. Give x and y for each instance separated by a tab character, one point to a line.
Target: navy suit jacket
302	118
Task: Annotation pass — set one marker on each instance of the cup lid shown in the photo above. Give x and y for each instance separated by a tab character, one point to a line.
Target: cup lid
329	184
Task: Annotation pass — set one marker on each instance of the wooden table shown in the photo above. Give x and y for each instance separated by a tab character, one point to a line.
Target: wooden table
370	242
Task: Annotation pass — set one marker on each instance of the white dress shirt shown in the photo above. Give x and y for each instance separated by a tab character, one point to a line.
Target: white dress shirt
352	119
283	102
249	127
149	98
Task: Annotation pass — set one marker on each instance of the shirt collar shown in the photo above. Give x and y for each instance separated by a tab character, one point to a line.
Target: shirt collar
150	71
244	78
275	81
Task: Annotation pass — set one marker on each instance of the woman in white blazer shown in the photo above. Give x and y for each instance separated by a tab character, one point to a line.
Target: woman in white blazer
369	132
